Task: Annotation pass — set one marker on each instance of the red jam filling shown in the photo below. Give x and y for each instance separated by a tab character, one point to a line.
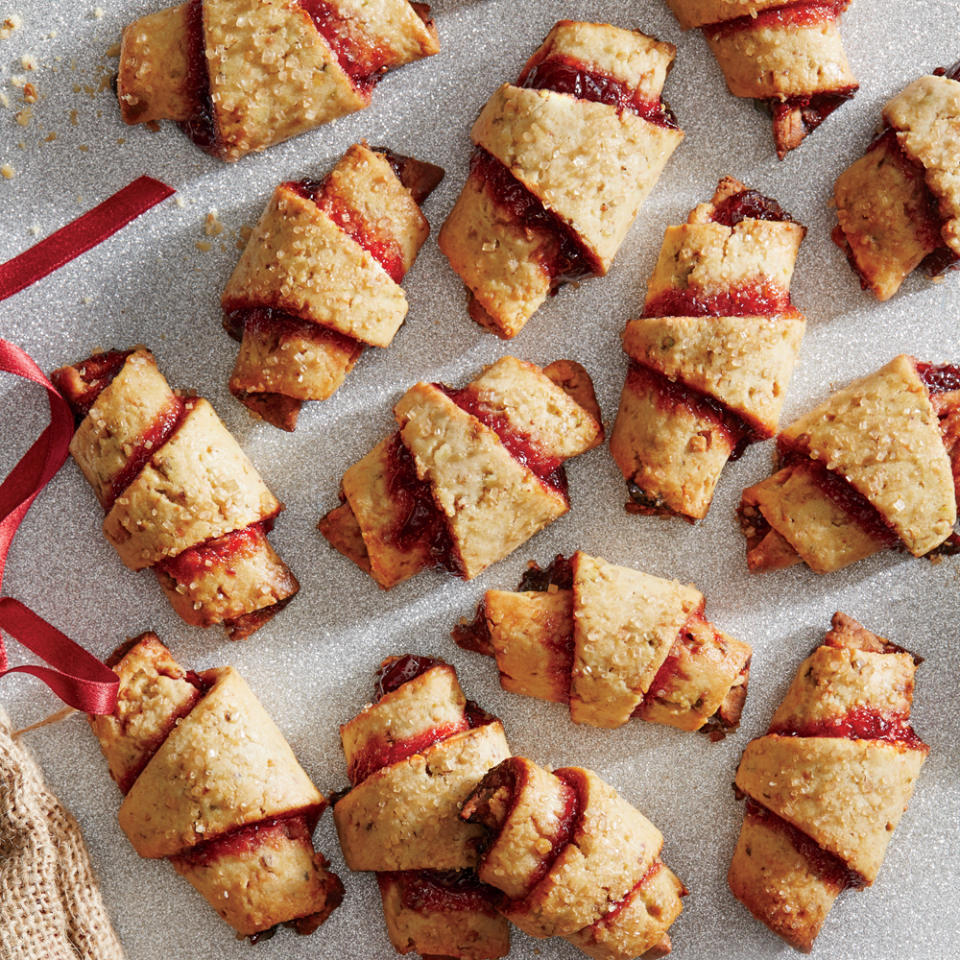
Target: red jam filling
758	299
942	378
218	552
297	827
97	373
951	73
283	324
395	673
151	440
361	60
815	108
841	493
564	74
672	396
862	723
611	915
201	126
829	868
375	756
442	891
749	205
520	446
558	574
475	634
385	250
420	521
809	13
563	260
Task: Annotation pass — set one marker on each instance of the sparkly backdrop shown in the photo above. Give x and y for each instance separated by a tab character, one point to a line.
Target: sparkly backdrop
158	282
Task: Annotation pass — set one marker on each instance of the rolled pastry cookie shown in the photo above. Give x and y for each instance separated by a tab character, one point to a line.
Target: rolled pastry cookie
871	467
827	785
713	353
613	643
789	55
412	757
210	782
181	496
320	278
471	474
563	161
241	75
898	206
574	859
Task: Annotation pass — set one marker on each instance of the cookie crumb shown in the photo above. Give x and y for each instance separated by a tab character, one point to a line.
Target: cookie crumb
30	93
8	172
9	24
203	246
178	200
23	116
212	227
35	231
98	13
114	51
28	61
73	117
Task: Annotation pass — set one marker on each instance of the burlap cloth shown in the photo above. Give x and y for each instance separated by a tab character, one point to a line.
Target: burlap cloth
50	906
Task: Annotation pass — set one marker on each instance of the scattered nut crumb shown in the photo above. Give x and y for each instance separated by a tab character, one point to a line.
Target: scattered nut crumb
4	99
9	24
82	147
212	227
30	93
28	61
50	137
18	80
8	172
98	13
52	35
178	200
77	88
23	116
121	140
88	299
203	246
114	51
35	230
73	117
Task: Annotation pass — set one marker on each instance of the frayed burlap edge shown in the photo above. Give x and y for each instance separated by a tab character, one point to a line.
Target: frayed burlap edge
50	905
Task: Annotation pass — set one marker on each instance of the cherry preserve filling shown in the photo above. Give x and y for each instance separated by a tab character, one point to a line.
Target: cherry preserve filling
377	755
830	869
748	205
216	553
395	673
151	440
842	493
201	125
758	299
611	915
363	61
563	259
672	396
283	324
96	373
548	469
942	378
474	634
861	723
808	13
558	574
420	521
814	108
384	249
565	74
441	891
242	841
670	671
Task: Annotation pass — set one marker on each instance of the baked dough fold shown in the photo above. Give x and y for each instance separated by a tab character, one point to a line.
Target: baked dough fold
563	161
827	785
241	75
181	496
574	859
412	757
471	473
613	643
210	782
712	355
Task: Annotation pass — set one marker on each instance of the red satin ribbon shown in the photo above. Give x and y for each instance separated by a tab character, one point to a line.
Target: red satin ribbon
81	234
74	675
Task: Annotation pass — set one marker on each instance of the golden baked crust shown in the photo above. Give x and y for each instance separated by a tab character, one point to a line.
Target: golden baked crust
882	435
788	54
713	353
614	643
180	495
197	486
190	790
202	748
828	783
487	490
267	71
412	757
537	139
574	859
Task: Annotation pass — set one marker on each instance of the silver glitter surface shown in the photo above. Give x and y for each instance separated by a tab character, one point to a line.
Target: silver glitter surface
312	666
